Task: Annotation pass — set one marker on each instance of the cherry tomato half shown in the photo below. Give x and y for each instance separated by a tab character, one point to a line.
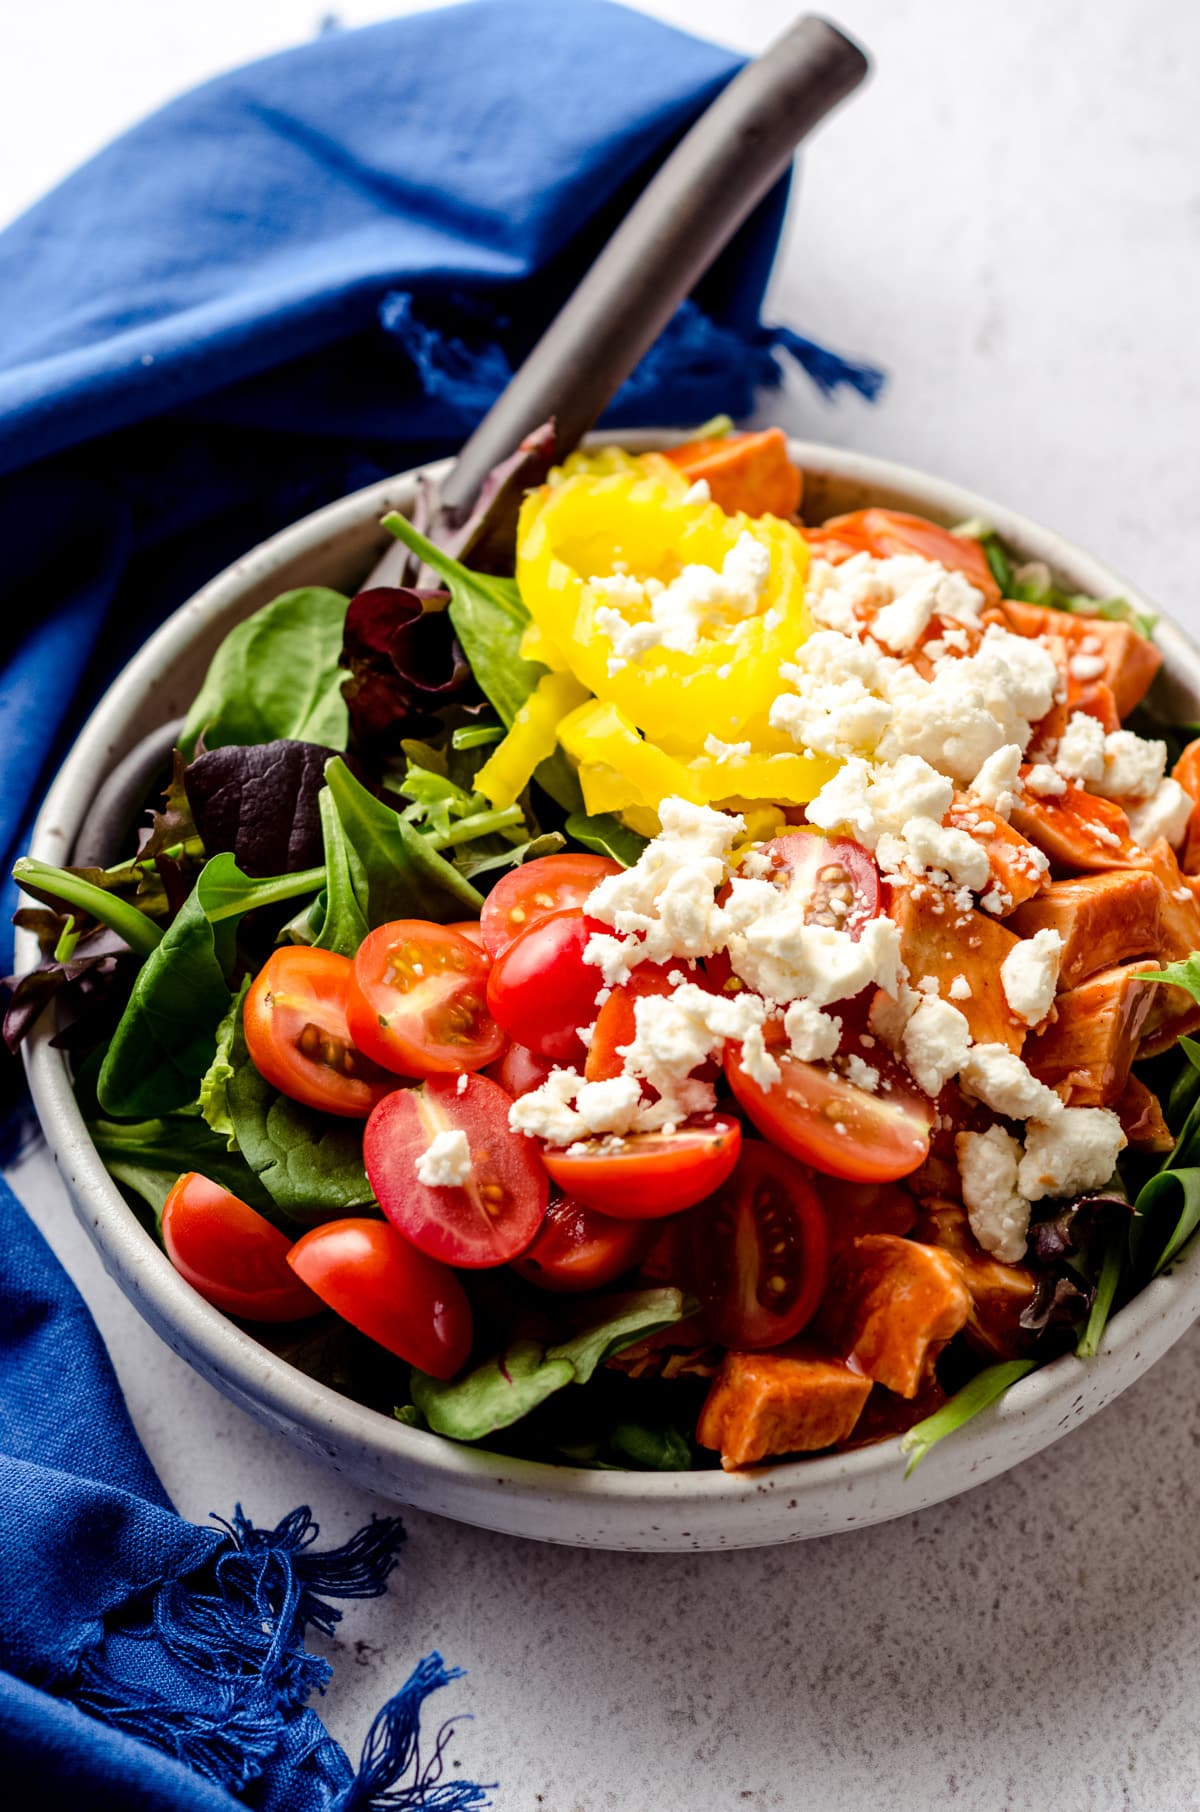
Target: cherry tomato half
834	877
472	930
418	1000
526	894
647	1175
489	1217
616	1022
299	1039
756	1253
518	1070
819	1117
230	1254
389	1291
541	991
578	1249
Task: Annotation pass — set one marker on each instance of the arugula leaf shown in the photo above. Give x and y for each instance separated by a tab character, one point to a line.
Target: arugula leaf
490	618
983	1390
398	875
170	1146
607	836
276	676
504	1389
1178	975
309	1164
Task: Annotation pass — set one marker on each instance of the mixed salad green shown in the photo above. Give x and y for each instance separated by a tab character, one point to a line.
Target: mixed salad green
530	1026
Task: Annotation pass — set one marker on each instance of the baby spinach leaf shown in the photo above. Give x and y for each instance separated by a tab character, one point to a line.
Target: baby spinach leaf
395	872
276	675
983	1390
309	1164
1169	1192
171	1146
1113	1264
622	1319
493	1396
164	1042
502	1390
343	921
653	1449
490	617
153	1186
90	891
226	895
607	836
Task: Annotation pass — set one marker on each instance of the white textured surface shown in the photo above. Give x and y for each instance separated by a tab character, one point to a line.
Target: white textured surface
1009	218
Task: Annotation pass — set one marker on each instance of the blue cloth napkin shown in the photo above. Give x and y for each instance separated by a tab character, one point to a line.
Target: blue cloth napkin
301	277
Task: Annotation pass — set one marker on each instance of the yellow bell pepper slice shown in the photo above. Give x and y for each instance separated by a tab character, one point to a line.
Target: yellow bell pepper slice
587	527
790	779
531	738
535	647
617	766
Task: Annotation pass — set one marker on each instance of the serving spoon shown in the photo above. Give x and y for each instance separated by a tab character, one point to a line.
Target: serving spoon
683	219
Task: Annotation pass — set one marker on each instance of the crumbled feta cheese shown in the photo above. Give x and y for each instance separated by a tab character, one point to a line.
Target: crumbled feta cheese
837	708
609	1106
814	1036
862	1074
1074	1150
998	1078
926	844
725	751
997	1211
935	1043
1029	975
960	988
446	1161
1133	767
998	781
777	954
1086	667
546	1113
1044	781
460	1087
870	802
698	492
697	601
676	1033
1167	813
1080	753
666	901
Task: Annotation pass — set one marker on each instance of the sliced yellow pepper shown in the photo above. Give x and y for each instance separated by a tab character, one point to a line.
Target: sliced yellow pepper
791	779
535	647
531	738
616	766
590	526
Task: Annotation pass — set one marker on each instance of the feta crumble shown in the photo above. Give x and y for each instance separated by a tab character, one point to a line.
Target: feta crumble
1074	1150
935	1043
1029	975
997	1211
699	600
996	1076
813	1036
1167	813
446	1161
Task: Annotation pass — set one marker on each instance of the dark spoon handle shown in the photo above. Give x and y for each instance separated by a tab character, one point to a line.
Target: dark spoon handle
684	217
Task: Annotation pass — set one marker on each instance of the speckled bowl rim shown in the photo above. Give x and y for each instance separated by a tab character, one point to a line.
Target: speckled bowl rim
779	1502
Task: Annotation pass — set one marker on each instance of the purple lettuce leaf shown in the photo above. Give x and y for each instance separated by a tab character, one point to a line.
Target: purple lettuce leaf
404	666
260	802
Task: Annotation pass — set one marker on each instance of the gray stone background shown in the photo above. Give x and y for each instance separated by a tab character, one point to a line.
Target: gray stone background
1009	220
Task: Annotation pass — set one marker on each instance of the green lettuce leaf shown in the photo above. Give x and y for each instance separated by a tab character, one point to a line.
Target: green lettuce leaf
504	1389
169	1146
276	676
607	836
394	872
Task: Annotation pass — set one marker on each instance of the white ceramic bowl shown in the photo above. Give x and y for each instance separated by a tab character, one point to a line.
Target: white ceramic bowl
337	546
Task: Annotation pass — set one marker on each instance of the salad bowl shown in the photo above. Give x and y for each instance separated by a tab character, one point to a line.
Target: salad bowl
784	1501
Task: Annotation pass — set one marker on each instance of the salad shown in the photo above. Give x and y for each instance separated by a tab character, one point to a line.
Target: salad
718	991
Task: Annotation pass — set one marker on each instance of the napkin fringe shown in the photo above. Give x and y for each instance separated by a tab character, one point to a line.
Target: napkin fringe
466	371
239	1624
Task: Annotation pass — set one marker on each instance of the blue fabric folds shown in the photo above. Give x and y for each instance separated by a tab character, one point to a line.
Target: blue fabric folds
300	277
